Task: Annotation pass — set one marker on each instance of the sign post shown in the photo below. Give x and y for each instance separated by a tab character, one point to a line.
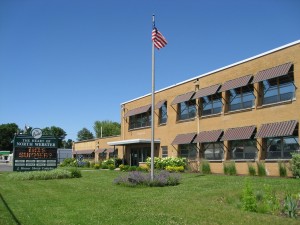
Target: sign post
35	152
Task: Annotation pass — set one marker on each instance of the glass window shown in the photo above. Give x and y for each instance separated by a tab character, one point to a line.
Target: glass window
213	151
188	151
243	149
140	120
164	151
278	89
212	104
187	110
241	98
163	114
282	147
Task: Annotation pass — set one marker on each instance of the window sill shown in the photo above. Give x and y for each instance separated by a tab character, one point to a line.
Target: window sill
215	160
211	115
242	160
276	103
186	120
139	128
276	160
162	124
238	111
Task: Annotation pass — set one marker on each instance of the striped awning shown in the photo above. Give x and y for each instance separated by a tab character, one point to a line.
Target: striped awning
100	150
235	83
183	139
238	133
273	72
208	136
160	104
183	98
138	110
83	152
110	150
278	129
206	91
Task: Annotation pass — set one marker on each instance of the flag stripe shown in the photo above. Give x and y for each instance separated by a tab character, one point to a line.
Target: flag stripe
158	39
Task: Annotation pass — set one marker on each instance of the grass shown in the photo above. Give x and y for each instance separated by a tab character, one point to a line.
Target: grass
94	199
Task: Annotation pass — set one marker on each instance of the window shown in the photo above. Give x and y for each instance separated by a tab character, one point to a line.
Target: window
241	98
212	104
113	154
282	147
140	120
278	89
188	151
164	151
187	110
213	151
163	114
243	149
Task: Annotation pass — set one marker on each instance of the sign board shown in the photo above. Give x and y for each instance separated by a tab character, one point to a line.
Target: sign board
35	152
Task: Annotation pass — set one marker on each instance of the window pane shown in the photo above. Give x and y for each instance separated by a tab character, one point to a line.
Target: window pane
213	151
243	149
282	147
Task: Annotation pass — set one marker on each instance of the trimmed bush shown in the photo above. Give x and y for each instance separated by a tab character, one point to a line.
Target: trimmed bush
205	167
42	175
251	169
229	168
162	163
261	169
75	173
97	166
124	167
295	165
175	168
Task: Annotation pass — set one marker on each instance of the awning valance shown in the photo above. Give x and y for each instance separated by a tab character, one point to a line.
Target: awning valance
208	136
235	83
238	133
100	150
132	141
278	129
183	98
183	139
206	91
273	72
160	104
138	110
83	152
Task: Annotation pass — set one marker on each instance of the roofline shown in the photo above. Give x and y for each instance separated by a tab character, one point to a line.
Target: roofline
220	69
131	141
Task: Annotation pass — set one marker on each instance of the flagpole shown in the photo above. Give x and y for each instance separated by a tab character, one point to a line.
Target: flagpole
152	105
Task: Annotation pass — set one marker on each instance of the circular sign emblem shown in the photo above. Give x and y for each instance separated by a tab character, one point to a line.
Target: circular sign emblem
36	133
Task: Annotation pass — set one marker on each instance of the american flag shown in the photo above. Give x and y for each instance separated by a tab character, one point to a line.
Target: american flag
158	39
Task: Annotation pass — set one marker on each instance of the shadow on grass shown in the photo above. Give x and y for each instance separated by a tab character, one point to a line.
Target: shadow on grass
9	210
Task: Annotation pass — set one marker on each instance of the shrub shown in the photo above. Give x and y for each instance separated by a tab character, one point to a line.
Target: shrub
41	175
75	173
205	167
111	167
163	178
162	163
132	168
229	168
290	205
251	169
175	168
295	165
248	198
282	169
142	169
124	167
97	166
261	169
69	162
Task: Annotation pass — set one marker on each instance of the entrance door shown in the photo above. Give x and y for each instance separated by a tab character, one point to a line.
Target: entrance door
134	156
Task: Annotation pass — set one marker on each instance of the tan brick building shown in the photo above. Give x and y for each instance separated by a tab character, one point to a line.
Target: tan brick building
244	112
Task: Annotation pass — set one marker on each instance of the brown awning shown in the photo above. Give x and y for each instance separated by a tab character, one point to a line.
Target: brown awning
208	136
83	152
235	83
207	91
110	150
278	129
238	133
183	139
183	98
100	150
273	72
138	110
160	104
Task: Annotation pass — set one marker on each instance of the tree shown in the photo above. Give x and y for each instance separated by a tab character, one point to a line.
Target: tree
7	132
84	134
109	128
68	143
57	132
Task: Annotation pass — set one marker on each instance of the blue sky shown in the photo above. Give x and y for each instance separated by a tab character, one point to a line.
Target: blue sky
68	63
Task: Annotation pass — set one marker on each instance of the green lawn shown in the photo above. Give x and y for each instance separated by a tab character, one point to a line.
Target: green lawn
94	199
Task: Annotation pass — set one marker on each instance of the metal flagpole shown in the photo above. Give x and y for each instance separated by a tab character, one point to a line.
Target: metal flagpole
152	105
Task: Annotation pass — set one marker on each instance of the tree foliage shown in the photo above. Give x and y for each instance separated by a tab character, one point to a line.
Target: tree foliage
109	128
7	132
84	134
57	132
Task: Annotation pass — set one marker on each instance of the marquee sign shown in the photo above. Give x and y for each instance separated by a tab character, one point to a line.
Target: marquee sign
35	152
